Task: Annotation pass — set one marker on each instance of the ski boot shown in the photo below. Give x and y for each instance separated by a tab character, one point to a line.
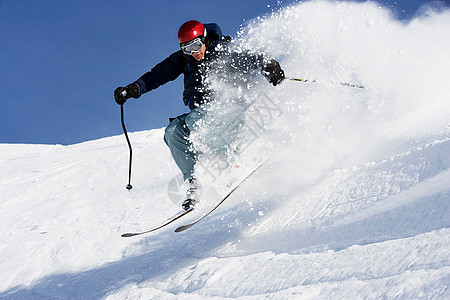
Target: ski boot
192	193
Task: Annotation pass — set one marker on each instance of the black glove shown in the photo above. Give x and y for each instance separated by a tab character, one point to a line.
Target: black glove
121	94
273	72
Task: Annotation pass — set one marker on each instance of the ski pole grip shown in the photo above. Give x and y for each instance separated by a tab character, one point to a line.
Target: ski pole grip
124	93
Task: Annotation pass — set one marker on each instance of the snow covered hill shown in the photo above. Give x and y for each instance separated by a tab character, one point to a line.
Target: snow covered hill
353	203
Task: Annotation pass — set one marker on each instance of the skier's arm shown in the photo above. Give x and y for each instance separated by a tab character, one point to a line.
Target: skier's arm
271	69
167	70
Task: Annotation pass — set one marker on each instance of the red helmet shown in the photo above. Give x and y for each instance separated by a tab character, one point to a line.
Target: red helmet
190	30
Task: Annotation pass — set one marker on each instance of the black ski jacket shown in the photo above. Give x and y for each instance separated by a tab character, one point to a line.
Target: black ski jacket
195	93
179	63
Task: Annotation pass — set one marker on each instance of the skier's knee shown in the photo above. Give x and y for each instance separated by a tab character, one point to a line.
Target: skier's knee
168	134
175	132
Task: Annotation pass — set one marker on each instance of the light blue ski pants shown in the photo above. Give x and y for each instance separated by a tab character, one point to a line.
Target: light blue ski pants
218	132
177	138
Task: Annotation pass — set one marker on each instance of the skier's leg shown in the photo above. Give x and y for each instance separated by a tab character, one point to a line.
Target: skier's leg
177	138
194	116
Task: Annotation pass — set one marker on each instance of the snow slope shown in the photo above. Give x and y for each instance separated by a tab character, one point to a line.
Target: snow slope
354	202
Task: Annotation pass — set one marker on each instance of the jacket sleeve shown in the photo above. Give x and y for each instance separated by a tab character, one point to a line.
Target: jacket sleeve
167	70
245	62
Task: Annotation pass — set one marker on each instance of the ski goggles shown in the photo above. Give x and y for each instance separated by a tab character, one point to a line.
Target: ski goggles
192	46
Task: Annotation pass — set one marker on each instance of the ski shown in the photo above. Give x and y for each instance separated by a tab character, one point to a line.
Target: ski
170	220
189	225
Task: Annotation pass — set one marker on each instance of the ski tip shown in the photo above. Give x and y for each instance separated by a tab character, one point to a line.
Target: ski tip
128	234
183	228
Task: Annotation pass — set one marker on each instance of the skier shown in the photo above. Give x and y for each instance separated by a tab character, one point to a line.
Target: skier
199	43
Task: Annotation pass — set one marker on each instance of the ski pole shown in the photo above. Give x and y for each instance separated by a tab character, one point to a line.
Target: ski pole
300	79
341	83
129	186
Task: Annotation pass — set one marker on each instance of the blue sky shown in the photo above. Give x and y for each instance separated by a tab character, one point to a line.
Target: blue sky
60	62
